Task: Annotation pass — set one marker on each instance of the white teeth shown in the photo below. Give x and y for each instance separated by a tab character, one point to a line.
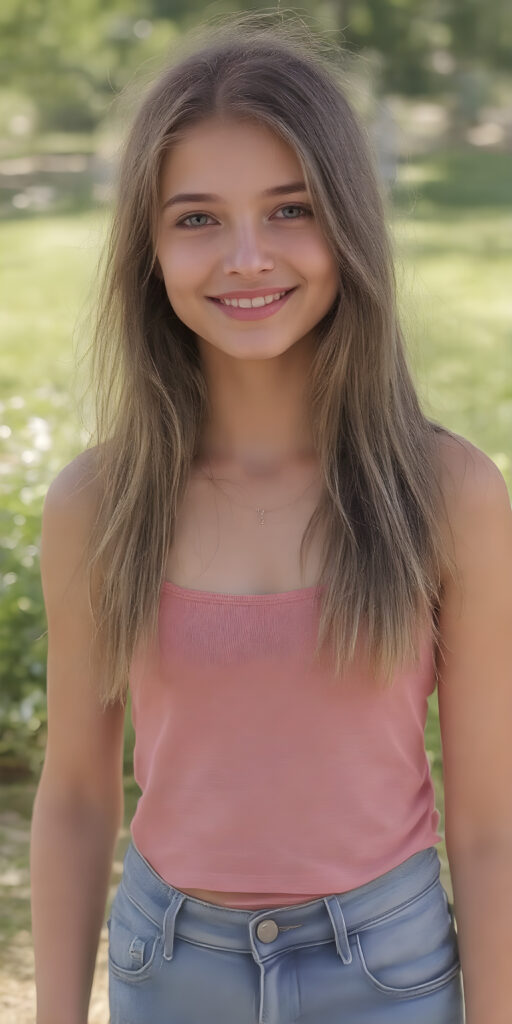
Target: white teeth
261	300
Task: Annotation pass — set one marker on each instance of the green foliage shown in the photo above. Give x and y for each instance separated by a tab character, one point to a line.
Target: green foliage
453	227
45	264
409	32
22	648
72	60
459	179
23	644
28	468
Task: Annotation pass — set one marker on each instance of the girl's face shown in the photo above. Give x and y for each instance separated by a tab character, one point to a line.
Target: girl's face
236	238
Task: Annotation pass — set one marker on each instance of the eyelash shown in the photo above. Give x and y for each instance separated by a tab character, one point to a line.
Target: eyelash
306	210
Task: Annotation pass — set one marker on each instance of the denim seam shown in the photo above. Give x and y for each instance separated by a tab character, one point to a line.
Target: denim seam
395	910
142	910
293	949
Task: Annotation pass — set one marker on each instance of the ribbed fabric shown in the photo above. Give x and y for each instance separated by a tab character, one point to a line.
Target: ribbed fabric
260	773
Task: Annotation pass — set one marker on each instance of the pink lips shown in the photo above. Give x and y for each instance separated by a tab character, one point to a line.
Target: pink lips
255	313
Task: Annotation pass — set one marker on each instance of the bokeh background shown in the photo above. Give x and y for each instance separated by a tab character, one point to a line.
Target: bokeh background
432	80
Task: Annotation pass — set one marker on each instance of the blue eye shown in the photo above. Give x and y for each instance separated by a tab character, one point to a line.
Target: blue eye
183	224
304	210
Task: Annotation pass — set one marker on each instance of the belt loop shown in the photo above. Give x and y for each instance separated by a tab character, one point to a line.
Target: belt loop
169	922
340	929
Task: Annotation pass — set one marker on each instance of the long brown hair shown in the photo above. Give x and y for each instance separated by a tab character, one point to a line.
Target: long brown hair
379	454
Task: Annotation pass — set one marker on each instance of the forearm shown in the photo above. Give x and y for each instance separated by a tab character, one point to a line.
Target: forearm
482	891
71	855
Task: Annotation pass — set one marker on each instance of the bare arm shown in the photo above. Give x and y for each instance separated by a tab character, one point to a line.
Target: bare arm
475	713
79	801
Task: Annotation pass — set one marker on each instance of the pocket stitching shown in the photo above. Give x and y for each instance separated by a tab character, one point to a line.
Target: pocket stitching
420	989
135	973
138	973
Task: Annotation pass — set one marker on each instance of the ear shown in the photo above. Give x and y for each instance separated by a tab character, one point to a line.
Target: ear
157	270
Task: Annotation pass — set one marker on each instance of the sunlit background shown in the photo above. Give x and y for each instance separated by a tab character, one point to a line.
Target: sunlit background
432	80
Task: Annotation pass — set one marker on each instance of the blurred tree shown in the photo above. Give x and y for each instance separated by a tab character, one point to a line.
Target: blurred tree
411	33
73	58
481	30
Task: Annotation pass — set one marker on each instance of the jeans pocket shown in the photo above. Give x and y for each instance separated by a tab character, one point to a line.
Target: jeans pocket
134	938
413	949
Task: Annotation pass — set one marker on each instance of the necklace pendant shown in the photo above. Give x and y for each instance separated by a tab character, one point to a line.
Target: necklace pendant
261	513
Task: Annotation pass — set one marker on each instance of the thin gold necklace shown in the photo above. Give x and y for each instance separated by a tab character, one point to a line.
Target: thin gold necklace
261	512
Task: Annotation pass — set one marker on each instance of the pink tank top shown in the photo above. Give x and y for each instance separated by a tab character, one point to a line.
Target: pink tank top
260	772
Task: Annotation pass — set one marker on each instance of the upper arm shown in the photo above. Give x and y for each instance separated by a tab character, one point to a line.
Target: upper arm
83	757
475	667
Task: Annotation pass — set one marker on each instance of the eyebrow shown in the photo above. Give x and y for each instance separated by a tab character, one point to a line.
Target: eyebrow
210	197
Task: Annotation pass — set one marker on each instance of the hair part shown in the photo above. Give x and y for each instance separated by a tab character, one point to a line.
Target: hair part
382	506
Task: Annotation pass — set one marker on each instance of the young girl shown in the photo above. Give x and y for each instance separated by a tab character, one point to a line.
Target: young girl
280	556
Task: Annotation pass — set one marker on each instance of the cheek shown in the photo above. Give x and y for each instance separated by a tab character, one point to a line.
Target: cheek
315	258
333	278
183	285
329	268
181	272
322	271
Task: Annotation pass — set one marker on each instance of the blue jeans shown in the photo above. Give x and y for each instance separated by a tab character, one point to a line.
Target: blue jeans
383	953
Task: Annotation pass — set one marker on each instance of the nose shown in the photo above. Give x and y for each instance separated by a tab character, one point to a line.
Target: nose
246	253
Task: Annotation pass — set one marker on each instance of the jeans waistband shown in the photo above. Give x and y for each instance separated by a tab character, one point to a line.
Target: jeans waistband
300	925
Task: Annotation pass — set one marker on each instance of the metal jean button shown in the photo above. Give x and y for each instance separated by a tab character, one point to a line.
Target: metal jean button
267	931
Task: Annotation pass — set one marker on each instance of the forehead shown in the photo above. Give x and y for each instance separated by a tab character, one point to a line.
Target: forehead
216	154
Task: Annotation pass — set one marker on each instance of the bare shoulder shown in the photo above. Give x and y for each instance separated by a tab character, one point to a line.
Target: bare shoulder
474	491
467	472
78	481
69	510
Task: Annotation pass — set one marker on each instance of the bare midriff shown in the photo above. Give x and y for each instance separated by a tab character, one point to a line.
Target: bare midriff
220	898
227	898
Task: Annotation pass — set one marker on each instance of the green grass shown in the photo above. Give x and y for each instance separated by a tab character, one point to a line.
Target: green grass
453	231
46	269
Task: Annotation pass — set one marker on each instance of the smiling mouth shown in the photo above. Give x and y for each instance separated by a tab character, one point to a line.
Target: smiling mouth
246	303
